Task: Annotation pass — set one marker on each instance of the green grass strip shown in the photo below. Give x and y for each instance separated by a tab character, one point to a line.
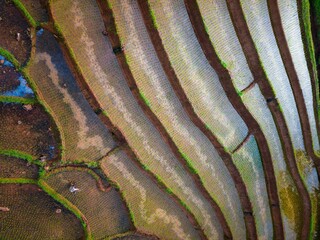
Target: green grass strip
18	180
72	169
18	154
189	162
9	56
46	107
153	18
310	44
25	12
21	155
67	204
12	99
144	98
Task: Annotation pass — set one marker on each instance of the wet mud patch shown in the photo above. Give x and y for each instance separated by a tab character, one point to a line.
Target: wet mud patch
28	128
32	214
8	79
12	83
11	167
14	34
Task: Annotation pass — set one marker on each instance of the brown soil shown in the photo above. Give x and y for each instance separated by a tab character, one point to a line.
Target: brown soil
12	167
30	131
33	215
13	22
8	79
37	9
258	73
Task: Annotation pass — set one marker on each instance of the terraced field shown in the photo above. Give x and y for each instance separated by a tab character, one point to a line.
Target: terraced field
157	119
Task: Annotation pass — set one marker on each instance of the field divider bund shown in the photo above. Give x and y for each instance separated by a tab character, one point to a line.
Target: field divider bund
118	137
293	78
251	54
314	70
236	101
109	22
174	81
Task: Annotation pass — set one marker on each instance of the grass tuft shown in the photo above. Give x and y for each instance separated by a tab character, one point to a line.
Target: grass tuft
17	180
144	98
26	14
153	17
18	154
12	99
189	162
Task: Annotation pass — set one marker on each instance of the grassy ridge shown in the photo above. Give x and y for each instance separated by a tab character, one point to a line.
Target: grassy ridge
13	99
67	204
26	14
10	57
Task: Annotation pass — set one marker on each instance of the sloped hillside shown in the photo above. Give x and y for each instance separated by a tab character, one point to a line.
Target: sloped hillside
159	119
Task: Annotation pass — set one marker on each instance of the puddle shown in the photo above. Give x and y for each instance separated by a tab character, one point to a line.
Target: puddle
40	32
23	90
6	62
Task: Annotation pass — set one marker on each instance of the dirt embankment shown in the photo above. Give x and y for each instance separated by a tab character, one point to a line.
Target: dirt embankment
254	63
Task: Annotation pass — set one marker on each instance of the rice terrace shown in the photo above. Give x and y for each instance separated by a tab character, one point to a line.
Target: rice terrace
159	119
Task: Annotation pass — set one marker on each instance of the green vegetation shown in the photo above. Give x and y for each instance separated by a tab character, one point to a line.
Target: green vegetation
21	155
93	164
109	4
17	180
185	206
153	17
305	167
144	98
56	196
224	64
315	8
11	99
189	162
206	28
240	93
167	189
145	167
292	205
25	12
9	56
18	154
59	32
73	168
